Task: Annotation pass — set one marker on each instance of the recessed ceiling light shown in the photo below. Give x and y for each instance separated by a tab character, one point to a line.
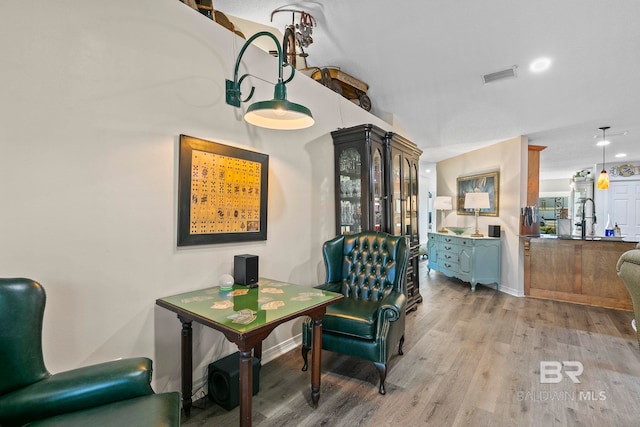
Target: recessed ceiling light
621	155
603	142
540	65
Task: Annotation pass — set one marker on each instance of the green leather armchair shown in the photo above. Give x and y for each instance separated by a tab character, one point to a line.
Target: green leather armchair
628	269
369	269
116	393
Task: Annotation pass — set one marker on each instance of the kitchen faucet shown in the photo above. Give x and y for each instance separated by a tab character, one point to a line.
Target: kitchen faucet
583	223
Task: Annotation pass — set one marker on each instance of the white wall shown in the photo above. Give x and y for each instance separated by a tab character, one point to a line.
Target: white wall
555	187
94	97
510	159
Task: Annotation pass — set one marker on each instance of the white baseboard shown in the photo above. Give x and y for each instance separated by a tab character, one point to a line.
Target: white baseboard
501	288
274	352
511	291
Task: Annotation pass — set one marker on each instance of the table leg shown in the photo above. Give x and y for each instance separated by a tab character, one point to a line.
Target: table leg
316	363
187	365
246	387
257	350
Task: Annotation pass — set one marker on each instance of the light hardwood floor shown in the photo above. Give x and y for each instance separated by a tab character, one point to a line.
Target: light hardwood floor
470	359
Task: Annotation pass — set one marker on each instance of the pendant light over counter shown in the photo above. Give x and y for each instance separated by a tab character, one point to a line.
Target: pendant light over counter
603	178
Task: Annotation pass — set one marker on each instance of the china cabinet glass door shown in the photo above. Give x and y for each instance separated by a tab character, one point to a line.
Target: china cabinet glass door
414	203
406	192
378	205
350	191
396	216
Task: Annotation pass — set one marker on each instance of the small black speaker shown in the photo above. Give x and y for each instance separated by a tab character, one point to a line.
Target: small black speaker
494	231
224	380
245	270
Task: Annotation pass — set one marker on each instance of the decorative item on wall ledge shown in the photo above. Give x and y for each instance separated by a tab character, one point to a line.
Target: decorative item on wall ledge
625	171
222	193
481	183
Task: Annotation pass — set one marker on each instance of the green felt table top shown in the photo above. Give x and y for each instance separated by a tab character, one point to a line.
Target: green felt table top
243	309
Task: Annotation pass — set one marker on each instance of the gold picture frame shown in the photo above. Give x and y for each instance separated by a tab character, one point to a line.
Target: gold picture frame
485	183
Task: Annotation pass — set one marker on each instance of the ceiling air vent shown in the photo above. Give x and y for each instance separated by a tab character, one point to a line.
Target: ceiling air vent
500	75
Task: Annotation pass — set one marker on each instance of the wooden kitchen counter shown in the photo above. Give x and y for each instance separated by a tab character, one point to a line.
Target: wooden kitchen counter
578	271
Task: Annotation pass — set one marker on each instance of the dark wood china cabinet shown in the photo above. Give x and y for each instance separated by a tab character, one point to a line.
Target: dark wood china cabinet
376	188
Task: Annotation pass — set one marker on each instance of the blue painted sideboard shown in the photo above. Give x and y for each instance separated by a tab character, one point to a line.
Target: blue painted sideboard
470	259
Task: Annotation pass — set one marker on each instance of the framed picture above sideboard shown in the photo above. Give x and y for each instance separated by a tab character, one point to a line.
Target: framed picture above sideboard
483	183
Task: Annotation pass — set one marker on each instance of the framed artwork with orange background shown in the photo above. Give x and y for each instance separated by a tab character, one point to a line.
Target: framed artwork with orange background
222	193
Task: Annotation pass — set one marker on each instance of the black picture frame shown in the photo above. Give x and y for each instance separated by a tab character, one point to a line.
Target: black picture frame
222	193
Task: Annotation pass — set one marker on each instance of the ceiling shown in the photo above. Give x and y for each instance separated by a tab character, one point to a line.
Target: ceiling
424	61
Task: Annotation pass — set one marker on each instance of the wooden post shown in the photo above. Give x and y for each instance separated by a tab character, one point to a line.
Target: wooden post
533	189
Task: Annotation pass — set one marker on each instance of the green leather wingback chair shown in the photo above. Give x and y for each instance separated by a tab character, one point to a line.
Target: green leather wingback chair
628	268
369	269
116	393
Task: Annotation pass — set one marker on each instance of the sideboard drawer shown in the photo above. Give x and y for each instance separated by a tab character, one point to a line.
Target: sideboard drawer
450	239
451	265
450	247
446	256
450	268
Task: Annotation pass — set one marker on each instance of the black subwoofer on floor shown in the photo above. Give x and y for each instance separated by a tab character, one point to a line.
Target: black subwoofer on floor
224	380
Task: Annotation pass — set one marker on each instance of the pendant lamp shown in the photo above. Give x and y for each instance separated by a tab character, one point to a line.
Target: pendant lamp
603	178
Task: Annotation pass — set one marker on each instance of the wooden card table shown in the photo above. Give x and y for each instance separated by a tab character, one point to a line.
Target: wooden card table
246	316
